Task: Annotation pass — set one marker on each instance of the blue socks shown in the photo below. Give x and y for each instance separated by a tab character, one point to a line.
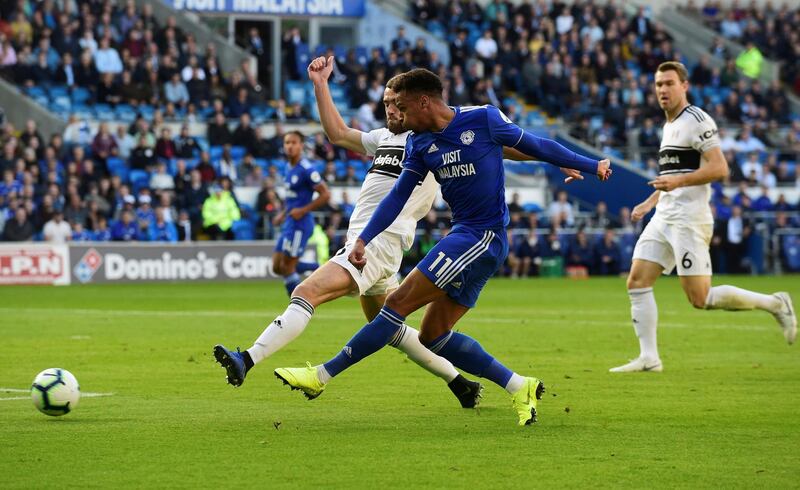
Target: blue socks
303	267
291	281
467	354
370	339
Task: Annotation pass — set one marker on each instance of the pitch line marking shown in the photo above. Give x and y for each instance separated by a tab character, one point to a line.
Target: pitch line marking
358	317
17	390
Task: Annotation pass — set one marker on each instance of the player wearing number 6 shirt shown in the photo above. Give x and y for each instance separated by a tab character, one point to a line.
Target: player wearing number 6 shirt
679	234
462	147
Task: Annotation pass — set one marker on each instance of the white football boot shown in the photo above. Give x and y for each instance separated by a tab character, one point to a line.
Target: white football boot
639	364
786	317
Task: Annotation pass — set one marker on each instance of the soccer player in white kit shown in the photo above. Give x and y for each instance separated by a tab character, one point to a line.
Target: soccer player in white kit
679	234
338	277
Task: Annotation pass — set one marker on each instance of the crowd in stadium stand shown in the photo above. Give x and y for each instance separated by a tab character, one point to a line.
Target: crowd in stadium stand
765	30
136	180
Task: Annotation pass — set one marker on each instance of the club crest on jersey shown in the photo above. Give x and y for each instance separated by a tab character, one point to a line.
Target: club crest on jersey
467	137
433	148
294	179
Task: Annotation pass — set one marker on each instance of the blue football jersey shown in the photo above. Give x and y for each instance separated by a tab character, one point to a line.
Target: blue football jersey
300	182
466	158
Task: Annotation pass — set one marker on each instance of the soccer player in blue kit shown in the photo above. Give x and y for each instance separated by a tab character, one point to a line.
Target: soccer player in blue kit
302	180
463	148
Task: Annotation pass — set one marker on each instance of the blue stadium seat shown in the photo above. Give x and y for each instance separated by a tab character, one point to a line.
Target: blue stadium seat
80	95
362	55
295	92
58	91
244	230
215	152
302	57
125	112
140	179
237	152
117	166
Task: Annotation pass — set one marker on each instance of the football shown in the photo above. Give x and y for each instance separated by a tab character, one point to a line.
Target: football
55	392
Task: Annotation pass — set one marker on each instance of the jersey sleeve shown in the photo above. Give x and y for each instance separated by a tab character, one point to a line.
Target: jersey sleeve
705	135
414	161
501	129
313	176
371	140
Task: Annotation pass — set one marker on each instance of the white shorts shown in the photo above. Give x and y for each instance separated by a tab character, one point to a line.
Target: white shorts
384	254
670	245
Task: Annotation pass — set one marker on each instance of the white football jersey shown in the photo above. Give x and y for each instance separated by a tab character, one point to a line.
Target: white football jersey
388	150
685	139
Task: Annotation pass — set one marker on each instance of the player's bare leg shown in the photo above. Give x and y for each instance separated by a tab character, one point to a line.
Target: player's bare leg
325	284
700	293
644	315
286	266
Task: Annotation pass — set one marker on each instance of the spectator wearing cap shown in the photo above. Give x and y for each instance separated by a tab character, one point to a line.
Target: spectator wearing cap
219	213
145	213
57	230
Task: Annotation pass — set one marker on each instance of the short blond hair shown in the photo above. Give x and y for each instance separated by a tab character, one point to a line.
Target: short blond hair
676	66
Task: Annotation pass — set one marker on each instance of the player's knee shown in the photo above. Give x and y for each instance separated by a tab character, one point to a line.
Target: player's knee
698	299
394	299
306	291
635	282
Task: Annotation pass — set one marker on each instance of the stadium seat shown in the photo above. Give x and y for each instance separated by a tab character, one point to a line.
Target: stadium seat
117	166
238	152
295	92
80	95
140	179
244	230
215	152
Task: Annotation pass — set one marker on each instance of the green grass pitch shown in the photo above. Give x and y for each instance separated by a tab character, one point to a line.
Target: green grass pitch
724	413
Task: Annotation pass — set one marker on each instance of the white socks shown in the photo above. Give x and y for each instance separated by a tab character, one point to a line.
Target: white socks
407	341
644	313
282	330
515	383
732	298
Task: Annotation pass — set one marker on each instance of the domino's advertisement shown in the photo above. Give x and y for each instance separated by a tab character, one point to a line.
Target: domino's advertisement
327	8
88	263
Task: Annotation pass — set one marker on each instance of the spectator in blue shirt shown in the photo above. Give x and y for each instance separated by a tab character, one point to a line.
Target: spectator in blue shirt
126	229
762	202
607	254
79	234
161	231
580	251
101	232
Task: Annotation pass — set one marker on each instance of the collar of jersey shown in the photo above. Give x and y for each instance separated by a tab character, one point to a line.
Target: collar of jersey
457	111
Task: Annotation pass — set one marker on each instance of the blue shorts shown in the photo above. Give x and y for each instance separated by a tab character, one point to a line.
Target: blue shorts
294	237
464	260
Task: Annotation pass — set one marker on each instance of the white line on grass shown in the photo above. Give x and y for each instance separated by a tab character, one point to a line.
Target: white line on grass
17	390
535	317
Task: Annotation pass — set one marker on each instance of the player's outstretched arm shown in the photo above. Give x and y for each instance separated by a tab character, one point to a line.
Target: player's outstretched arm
518	156
319	70
714	167
509	134
385	214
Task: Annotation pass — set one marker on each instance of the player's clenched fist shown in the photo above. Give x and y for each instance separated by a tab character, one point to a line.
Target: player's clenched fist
604	169
320	69
356	256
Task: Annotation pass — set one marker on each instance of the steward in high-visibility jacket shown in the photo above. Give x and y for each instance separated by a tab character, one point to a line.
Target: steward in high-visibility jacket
220	209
